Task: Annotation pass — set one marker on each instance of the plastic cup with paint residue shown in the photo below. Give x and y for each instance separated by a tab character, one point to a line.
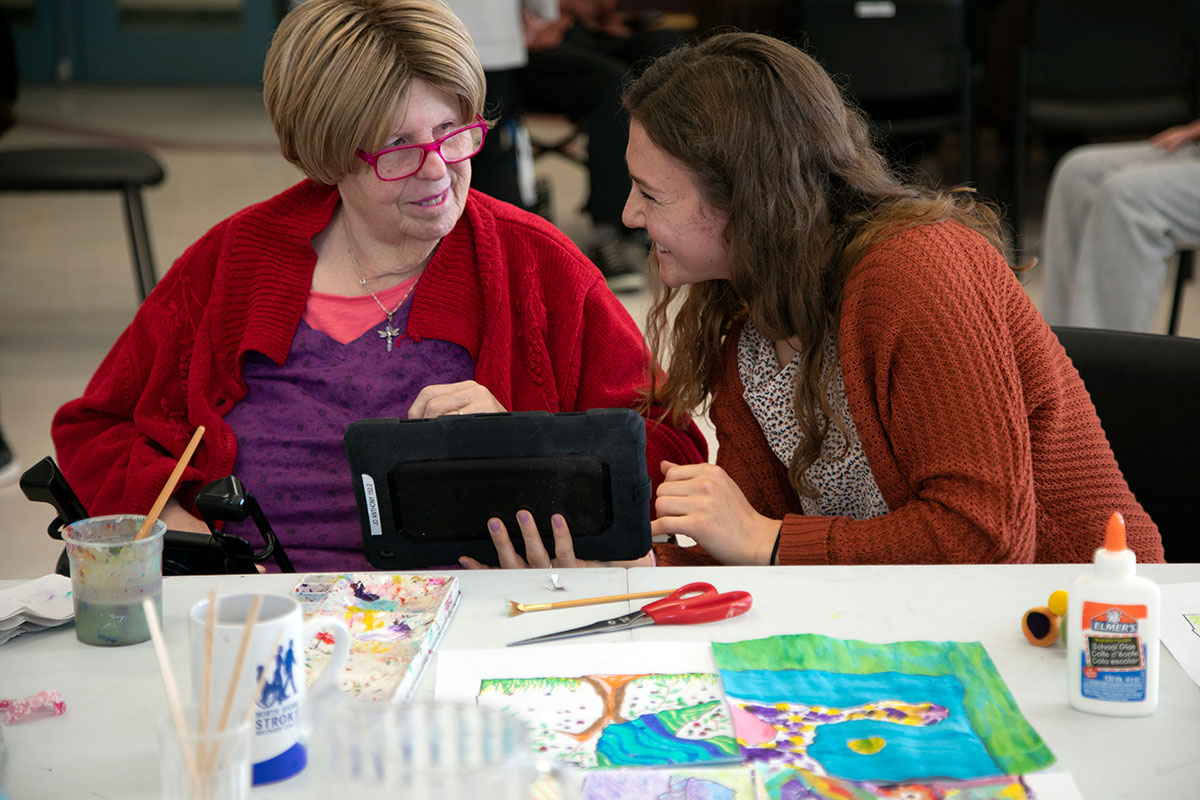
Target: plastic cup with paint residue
112	571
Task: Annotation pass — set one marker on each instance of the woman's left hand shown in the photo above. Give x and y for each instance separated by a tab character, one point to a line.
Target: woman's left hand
465	397
536	556
1175	137
702	502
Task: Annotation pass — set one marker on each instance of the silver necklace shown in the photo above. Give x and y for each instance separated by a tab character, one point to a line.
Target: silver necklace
388	332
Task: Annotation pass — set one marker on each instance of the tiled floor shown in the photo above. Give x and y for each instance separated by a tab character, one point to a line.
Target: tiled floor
66	284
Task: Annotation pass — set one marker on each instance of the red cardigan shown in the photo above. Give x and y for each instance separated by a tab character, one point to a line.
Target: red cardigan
978	429
543	329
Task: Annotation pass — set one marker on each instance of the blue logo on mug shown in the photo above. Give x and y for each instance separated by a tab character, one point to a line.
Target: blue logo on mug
279	710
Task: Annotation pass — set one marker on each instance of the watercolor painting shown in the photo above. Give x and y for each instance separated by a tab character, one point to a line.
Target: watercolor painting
395	623
883	713
745	783
671	783
806	786
621	720
1194	621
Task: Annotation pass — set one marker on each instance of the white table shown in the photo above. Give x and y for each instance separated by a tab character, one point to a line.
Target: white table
104	745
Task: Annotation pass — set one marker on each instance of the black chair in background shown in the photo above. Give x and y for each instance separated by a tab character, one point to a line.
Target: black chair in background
79	169
64	169
1103	68
560	136
1146	389
1185	272
908	64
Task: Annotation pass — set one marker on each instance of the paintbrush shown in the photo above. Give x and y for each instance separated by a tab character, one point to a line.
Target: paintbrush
515	608
165	494
168	679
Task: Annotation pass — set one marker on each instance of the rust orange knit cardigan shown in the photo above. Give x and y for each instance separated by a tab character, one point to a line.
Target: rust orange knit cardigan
978	430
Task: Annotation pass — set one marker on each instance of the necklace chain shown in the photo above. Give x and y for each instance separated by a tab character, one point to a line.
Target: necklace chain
388	332
375	297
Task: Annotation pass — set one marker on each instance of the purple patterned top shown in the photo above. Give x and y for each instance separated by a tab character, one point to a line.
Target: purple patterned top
289	430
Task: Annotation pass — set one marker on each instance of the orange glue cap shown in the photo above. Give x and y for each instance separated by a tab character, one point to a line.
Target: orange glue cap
1114	533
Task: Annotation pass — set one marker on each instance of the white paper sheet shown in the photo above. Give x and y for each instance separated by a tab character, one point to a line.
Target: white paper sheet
459	672
1181	625
1053	786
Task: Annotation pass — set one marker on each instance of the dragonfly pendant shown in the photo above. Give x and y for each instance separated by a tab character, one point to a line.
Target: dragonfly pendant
389	333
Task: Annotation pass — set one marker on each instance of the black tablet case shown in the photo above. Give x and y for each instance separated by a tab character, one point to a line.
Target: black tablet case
426	488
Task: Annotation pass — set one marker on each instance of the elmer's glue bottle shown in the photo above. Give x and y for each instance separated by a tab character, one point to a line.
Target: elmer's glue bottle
1112	640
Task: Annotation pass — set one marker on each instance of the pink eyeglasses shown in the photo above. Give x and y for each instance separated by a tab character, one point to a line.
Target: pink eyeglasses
395	163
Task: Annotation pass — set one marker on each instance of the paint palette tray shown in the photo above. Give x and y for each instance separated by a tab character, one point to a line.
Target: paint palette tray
395	622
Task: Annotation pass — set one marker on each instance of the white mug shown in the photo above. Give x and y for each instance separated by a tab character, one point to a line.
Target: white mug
276	750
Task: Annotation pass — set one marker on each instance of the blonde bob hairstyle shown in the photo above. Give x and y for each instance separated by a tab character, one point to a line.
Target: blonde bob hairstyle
337	70
773	146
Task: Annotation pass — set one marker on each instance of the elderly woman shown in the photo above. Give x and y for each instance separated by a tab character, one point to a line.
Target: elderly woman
882	388
381	286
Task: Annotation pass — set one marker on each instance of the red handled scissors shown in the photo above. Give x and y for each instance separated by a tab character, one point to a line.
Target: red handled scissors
687	605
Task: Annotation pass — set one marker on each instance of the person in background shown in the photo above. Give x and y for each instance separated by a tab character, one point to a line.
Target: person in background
578	59
379	286
1115	215
500	29
883	390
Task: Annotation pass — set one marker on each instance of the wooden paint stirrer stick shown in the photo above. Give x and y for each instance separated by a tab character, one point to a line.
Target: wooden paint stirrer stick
247	630
210	623
209	765
165	494
168	679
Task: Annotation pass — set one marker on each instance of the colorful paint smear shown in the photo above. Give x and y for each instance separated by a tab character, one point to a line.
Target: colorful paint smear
395	623
621	720
671	783
807	786
745	783
810	705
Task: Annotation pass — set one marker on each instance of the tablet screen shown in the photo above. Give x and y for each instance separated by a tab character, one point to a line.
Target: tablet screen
452	499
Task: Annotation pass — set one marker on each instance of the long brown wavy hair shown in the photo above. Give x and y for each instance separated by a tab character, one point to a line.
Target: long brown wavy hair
771	144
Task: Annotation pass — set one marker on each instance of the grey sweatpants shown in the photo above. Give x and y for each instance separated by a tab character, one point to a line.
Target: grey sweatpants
1115	214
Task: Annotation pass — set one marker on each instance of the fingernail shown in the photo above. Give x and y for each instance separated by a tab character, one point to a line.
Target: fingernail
558	522
495	526
524	517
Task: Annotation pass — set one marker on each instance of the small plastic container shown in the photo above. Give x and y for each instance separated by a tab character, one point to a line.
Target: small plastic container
1113	628
112	571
